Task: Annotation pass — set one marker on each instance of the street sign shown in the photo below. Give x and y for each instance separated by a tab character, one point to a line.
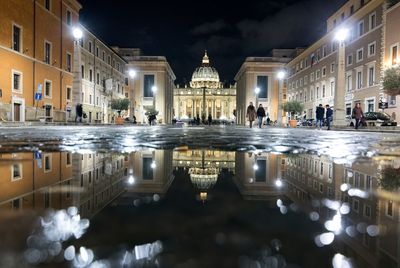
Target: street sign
383	105
38	96
38	155
40	88
39	163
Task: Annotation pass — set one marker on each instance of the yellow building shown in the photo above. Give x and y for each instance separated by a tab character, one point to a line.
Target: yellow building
205	96
36	48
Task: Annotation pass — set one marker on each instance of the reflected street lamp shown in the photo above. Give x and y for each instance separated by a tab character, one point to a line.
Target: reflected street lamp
339	100
281	75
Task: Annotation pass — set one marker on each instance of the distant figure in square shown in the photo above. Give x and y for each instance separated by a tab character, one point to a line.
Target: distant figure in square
357	114
251	114
320	112
260	115
209	119
79	113
329	116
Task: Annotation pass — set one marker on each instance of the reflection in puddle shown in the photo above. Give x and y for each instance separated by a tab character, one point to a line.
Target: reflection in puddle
204	208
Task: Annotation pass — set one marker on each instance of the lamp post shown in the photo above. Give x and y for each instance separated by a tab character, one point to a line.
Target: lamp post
132	75
257	91
154	90
281	75
77	89
339	104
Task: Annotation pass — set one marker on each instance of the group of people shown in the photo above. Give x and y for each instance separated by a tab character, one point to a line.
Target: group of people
252	114
321	114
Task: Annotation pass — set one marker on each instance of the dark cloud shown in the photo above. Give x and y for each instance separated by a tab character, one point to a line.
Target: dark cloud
211	27
182	30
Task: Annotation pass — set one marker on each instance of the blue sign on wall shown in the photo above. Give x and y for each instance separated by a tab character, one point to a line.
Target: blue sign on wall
38	96
38	155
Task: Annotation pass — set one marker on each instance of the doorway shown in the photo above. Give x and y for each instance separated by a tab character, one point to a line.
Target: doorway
17	112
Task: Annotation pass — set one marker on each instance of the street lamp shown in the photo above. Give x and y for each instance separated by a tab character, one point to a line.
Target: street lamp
339	105
78	35
281	75
257	91
132	73
154	90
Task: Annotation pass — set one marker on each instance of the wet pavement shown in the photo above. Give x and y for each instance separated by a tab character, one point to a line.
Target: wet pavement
198	197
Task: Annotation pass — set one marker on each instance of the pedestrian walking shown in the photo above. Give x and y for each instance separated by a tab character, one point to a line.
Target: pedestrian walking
260	115
209	119
320	112
357	114
79	113
329	116
251	114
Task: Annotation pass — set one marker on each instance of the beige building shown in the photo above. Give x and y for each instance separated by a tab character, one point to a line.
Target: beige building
261	73
36	51
315	75
392	53
205	96
152	86
100	76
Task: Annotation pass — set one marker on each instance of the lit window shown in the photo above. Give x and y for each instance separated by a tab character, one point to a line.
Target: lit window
16	172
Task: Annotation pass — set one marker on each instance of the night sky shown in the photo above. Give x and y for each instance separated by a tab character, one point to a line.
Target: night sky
182	30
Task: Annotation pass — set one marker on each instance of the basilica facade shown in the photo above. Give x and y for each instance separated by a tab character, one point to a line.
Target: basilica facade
205	95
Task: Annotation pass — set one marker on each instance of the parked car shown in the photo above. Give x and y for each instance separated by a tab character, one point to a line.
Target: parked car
382	119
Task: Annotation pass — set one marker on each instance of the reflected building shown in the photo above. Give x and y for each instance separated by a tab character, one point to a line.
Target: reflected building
57	180
256	175
310	178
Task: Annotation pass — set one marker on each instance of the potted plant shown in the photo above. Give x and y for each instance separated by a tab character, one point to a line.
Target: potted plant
391	81
119	105
151	114
293	107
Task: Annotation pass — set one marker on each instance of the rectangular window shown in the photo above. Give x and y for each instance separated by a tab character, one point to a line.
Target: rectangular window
16	172
97	51
324	51
371	49
323	91
83	71
47	4
367	211
350	59
69	161
91	75
372	21
356	180
69	18
370	105
148	85
349	82
332	88
69	93
360	55
90	99
98	78
47	89
261	171
324	72
393	55
360	28
262	84
321	170
348	109
342	16
317	92
47	163
17	81
147	168
351	10
104	56
371	76
90	46
47	199
69	62
47	52
109	60
389	208
368	183
332	67
356	205
359	79
17	38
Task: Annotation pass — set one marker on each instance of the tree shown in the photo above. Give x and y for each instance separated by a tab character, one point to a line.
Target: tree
391	81
293	107
390	179
120	105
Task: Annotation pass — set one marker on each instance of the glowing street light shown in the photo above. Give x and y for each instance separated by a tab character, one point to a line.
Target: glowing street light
77	33
132	73
154	89
342	34
131	180
281	75
257	90
279	183
153	165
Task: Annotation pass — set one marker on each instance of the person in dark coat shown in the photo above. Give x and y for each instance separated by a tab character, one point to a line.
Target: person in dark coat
251	114
329	116
79	113
209	119
320	112
260	115
357	114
